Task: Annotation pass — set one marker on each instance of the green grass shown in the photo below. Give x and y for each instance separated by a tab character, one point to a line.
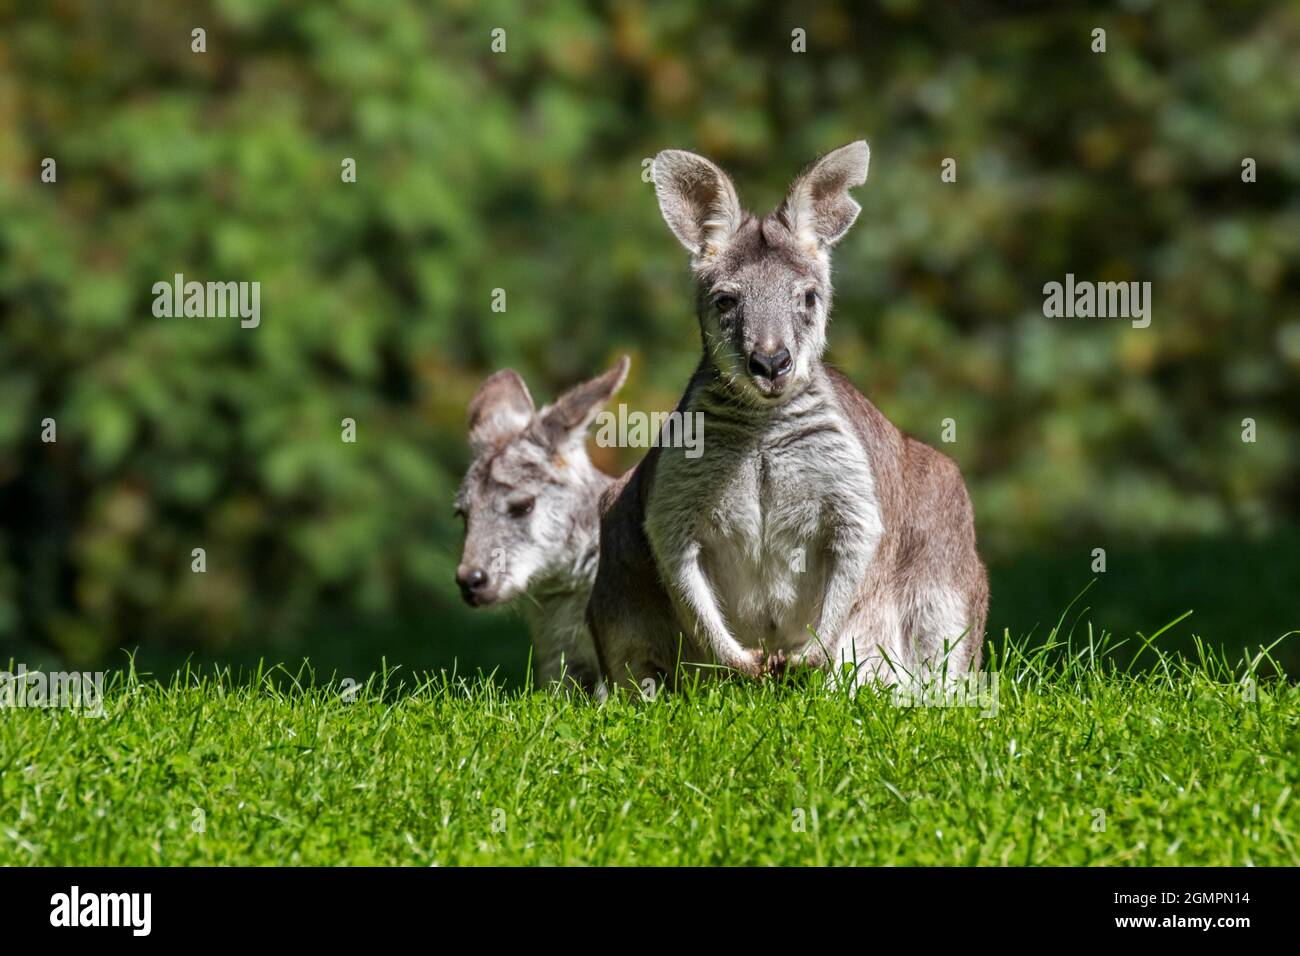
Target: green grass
279	769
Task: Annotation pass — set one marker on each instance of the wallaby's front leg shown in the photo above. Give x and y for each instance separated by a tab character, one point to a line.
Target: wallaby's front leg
832	644
702	615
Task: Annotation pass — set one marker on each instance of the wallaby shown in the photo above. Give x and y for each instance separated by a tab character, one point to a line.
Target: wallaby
810	530
532	530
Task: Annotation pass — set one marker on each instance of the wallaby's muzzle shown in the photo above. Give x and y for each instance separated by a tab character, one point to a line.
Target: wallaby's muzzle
475	586
770	370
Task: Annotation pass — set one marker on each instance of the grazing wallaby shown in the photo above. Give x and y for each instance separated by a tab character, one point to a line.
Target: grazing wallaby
808	509
532	529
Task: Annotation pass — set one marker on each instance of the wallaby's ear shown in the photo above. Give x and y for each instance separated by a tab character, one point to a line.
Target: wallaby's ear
500	409
568	418
819	209
697	201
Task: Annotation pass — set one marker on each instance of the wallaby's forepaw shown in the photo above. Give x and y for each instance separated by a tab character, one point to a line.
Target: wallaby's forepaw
750	664
774	663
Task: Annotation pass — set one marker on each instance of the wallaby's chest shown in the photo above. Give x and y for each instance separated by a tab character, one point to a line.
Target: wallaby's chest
760	504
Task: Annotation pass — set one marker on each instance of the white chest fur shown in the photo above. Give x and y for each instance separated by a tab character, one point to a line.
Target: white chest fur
764	507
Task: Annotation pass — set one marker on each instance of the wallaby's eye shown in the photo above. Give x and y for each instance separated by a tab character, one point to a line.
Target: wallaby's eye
810	298
724	302
522	508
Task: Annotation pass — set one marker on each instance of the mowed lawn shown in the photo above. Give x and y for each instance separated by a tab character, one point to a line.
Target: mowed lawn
1174	761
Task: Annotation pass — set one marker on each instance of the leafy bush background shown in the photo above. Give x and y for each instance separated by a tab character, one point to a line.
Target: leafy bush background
522	171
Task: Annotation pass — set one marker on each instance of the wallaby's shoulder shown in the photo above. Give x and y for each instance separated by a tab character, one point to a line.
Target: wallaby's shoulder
896	456
612	491
632	486
627	496
880	435
626	488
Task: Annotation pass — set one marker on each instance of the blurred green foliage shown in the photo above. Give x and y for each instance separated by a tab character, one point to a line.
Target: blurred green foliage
523	171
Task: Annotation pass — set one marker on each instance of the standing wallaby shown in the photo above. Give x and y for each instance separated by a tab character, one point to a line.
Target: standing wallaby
807	509
532	529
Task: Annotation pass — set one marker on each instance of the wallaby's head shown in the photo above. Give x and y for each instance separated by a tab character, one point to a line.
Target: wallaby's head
764	284
529	496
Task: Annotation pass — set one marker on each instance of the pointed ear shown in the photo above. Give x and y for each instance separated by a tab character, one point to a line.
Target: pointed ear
567	420
819	209
500	409
697	200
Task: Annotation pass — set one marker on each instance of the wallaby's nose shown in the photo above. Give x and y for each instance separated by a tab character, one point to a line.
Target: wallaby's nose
770	365
472	581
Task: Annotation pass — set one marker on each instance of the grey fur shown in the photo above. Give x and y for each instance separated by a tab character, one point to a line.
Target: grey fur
529	500
808	508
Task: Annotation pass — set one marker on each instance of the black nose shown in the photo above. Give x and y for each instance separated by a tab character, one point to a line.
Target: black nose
770	365
471	581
